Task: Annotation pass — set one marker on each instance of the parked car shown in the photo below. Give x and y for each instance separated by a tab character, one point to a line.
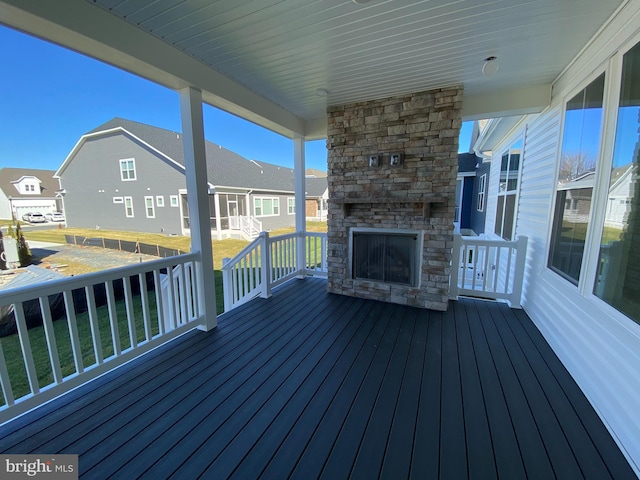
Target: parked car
34	217
54	217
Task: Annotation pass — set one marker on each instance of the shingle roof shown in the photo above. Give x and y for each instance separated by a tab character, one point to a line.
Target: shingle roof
467	162
48	185
315	187
224	167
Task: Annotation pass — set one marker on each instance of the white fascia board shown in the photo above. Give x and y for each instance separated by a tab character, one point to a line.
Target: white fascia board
86	28
495	131
506	103
315	129
254	190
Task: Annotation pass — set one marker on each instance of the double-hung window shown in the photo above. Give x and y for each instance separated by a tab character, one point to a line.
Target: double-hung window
291	206
127	169
128	207
482	182
150	210
576	177
508	191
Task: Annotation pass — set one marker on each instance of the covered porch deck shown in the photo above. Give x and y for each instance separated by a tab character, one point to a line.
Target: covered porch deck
307	384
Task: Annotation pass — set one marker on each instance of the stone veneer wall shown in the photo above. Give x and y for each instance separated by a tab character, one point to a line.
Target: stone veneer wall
424	127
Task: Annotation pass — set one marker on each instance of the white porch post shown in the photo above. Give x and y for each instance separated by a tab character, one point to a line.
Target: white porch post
198	201
300	197
216	199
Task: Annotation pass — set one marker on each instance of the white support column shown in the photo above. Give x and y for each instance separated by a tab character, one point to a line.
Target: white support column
198	200
216	199
300	199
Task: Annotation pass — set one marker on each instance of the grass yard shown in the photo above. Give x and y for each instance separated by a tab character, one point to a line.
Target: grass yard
11	344
13	352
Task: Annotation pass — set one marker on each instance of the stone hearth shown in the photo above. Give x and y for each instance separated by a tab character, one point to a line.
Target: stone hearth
418	194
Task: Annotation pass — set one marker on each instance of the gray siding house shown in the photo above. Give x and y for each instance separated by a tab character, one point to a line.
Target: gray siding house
127	175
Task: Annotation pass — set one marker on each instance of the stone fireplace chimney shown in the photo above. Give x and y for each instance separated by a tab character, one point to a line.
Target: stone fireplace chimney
392	173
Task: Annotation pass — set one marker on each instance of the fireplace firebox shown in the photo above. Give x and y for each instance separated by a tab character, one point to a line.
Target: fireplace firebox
384	255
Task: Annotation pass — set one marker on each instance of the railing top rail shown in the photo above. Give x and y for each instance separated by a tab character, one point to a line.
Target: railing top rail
316	234
243	252
487	241
284	237
28	292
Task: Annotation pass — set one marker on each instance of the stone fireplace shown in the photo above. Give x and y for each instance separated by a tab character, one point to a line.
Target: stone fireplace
392	177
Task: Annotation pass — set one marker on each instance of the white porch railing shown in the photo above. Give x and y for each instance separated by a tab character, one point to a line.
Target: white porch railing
250	227
488	268
91	324
269	261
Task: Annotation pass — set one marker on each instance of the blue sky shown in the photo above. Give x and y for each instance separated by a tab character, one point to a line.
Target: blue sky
50	96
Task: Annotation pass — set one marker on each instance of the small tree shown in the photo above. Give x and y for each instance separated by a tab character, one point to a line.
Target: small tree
3	258
24	252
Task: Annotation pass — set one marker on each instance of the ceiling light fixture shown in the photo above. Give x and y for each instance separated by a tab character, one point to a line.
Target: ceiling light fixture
322	92
490	66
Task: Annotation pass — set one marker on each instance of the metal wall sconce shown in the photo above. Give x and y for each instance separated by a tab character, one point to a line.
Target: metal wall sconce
374	160
395	159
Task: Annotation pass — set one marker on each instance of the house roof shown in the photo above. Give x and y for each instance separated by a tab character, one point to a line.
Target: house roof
281	63
224	167
467	162
48	185
316	187
313	172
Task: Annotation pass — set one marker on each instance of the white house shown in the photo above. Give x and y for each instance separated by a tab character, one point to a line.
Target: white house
24	190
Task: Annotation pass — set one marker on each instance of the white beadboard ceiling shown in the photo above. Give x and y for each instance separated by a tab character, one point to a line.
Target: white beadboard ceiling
284	50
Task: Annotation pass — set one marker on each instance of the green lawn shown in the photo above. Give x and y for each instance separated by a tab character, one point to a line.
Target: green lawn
11	344
13	351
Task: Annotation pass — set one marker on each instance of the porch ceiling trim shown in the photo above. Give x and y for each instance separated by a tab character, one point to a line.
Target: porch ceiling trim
80	26
505	103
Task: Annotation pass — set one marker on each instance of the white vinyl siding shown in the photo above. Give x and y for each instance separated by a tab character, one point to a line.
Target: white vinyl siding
150	210
128	207
127	169
598	345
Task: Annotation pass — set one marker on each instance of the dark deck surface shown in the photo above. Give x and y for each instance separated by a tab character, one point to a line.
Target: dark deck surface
308	384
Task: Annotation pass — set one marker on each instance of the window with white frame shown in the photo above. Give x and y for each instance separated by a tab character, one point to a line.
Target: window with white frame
159	200
127	169
128	207
596	220
150	210
459	192
482	183
291	205
508	191
576	175
173	201
266	206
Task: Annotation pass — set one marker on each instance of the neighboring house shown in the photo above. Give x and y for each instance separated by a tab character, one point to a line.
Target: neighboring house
130	176
470	194
24	190
317	197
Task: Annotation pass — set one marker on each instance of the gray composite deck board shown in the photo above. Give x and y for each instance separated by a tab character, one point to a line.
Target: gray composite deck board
308	384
